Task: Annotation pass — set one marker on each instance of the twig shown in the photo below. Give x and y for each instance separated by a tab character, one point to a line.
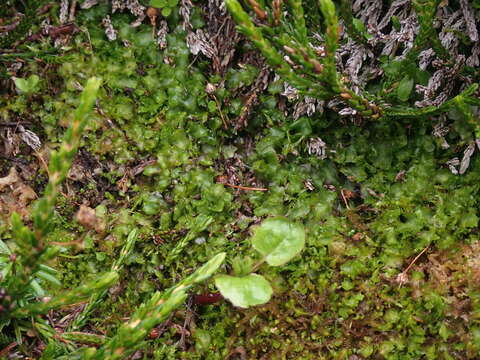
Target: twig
245	187
414	260
225	124
15	124
5	351
66	243
344	199
402	278
43	163
9	27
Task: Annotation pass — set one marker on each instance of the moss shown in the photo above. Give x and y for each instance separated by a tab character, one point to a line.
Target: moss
159	146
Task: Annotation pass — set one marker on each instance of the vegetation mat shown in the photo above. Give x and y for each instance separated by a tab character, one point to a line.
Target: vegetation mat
248	179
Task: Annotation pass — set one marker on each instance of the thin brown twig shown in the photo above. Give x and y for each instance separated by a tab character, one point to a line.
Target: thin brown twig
66	243
43	162
245	187
219	108
414	260
6	350
344	199
402	278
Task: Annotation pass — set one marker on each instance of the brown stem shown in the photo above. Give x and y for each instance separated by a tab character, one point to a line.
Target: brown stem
245	187
414	260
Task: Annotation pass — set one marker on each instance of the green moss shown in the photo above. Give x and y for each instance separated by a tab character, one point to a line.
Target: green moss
340	297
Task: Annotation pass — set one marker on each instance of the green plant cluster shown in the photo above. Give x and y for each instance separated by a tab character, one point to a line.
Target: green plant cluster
278	241
162	141
23	268
166	7
281	33
25	23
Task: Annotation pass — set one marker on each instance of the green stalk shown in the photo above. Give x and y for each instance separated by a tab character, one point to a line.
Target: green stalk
68	297
150	314
31	246
97	297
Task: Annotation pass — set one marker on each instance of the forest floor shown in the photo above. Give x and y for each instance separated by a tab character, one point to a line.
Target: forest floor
179	144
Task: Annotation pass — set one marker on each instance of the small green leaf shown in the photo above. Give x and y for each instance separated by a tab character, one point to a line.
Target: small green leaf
242	265
37	289
396	23
48	277
444	332
212	106
158	3
4	249
393	68
278	240
48	269
301	127
360	27
244	291
166	11
27	86
21	84
405	88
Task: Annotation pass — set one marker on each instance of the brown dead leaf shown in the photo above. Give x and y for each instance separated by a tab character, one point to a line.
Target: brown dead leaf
124	183
11	142
15	195
10	179
25	194
358	236
88	219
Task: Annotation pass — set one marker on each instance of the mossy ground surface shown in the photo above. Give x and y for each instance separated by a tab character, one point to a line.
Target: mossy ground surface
156	156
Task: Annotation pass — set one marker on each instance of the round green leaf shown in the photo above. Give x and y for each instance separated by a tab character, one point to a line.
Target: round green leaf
244	291
278	240
166	11
405	87
27	86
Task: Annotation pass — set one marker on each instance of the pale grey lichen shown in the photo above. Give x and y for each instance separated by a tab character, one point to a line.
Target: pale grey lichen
110	32
308	106
162	34
133	6
369	11
317	147
87	4
198	42
290	92
30	138
452	165
469	17
64	7
467	154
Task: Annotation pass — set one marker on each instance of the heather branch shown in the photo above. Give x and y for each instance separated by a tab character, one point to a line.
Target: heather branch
61	161
68	297
151	313
97	297
31	249
299	65
427	34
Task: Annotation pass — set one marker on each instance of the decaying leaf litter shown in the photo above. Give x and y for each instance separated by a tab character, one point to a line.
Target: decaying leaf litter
180	158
